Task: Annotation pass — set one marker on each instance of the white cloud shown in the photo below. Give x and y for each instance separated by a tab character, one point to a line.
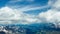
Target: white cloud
27	8
57	4
52	15
5	22
28	19
7	13
51	2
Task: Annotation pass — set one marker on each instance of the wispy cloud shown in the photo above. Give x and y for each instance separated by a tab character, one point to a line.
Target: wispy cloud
33	8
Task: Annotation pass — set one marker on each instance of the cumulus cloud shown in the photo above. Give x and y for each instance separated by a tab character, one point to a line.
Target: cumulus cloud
52	15
7	13
10	16
56	4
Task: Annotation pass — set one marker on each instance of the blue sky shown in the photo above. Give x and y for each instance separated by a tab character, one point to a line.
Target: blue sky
29	11
26	10
3	2
23	2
